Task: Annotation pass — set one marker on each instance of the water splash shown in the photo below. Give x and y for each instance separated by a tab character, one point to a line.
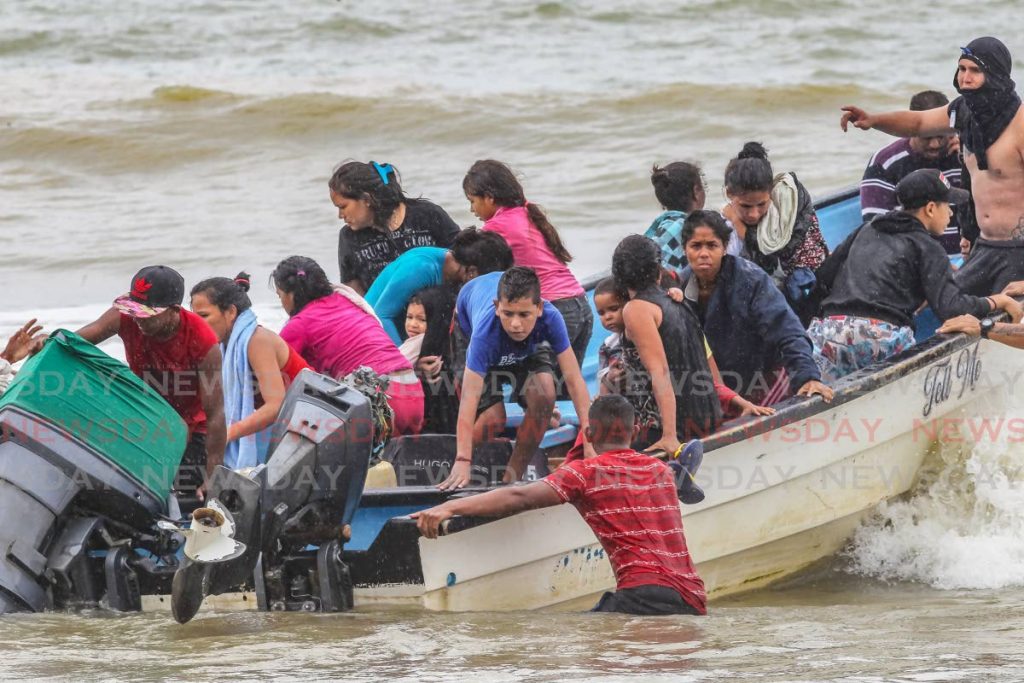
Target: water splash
962	528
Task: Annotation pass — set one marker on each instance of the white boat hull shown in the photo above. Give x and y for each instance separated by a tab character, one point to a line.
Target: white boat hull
777	501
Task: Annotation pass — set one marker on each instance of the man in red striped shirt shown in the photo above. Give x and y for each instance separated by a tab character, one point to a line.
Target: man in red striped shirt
627	498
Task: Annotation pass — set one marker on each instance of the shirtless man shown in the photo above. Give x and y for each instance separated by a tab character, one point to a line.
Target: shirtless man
990	120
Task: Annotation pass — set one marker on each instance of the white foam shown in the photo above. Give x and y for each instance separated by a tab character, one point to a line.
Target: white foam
963	528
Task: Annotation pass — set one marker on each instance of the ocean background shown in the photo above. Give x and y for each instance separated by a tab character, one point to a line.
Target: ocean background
201	135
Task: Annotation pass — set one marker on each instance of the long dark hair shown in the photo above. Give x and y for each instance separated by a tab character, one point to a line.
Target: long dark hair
223	292
750	171
675	185
439	306
490	178
303	278
356	180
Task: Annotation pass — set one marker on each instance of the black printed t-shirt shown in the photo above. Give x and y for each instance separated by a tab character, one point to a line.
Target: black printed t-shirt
363	254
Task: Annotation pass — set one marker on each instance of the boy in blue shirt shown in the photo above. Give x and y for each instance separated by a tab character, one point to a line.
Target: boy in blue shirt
514	337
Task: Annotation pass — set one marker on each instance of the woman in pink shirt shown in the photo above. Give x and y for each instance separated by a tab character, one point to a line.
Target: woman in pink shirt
337	333
496	197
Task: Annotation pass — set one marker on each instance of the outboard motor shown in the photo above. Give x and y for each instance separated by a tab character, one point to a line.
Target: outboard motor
88	455
305	495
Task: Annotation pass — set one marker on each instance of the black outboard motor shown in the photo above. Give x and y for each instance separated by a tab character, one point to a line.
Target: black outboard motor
306	494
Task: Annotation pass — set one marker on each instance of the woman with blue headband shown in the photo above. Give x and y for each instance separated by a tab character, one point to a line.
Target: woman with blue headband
380	221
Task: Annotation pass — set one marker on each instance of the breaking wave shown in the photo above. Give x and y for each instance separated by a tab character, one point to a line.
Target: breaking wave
962	528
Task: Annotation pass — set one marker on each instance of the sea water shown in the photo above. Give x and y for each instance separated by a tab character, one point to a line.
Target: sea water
201	135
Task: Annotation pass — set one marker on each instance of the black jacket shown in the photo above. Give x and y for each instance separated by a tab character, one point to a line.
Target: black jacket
887	268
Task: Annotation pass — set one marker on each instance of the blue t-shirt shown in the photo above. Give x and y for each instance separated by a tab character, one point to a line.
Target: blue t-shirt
390	293
489	344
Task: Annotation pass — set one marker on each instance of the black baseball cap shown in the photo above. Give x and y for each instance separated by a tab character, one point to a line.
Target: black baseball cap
928	185
154	289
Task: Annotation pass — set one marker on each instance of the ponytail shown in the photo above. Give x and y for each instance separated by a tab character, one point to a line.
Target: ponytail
750	171
551	238
490	178
225	292
303	278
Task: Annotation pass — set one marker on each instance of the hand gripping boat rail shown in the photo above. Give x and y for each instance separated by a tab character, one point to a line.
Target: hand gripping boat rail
280	527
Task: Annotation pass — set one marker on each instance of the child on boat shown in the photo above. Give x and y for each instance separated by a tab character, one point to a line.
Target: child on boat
428	347
496	197
609	300
627	498
514	337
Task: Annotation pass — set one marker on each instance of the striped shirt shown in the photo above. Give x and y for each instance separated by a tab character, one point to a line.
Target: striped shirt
629	501
888	167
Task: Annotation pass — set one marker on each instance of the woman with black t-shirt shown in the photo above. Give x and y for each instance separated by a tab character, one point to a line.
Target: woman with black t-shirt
380	221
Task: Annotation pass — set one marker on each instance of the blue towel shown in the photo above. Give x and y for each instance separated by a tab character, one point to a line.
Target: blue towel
236	377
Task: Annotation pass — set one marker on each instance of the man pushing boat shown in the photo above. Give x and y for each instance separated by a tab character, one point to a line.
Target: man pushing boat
989	117
629	501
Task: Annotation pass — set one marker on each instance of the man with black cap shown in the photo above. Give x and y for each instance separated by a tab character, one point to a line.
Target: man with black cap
882	273
178	355
990	120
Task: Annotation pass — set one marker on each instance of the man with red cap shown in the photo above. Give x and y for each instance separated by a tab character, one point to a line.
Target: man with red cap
990	120
176	353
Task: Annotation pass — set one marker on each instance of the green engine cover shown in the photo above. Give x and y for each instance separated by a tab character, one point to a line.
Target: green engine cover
98	401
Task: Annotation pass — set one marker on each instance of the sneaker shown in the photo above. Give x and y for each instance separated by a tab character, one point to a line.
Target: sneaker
685	468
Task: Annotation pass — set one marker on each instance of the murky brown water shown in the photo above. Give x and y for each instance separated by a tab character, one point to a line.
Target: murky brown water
830	626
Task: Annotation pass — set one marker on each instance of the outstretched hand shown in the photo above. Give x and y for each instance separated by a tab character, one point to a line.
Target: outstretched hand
21	342
857	116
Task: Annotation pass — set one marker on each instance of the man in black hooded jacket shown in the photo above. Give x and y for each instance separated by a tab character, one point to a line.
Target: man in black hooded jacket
882	273
989	117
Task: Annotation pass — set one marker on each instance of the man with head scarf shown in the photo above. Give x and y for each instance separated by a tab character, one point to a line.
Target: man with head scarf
990	120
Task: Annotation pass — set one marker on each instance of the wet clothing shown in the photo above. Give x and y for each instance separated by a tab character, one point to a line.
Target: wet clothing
698	412
845	344
609	352
489	344
629	501
578	317
414	270
171	366
888	167
363	254
887	268
336	337
751	329
991	266
292	367
647	600
530	250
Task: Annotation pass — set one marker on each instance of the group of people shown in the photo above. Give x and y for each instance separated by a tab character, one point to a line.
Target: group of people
711	314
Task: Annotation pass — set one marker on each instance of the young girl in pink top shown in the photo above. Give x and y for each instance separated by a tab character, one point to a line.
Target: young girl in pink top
496	197
336	335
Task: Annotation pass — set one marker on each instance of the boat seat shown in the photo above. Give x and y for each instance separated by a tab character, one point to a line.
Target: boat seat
426	460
